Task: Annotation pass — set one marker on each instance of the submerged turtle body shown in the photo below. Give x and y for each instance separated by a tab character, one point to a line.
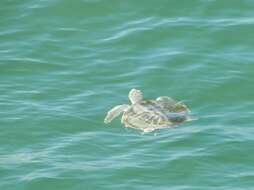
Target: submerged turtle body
148	115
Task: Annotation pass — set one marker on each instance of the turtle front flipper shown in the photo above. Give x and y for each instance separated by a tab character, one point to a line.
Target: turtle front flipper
114	112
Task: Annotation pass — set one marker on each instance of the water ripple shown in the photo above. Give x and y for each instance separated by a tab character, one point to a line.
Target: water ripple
63	65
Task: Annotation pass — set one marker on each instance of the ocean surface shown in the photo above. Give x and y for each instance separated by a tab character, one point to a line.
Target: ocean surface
64	64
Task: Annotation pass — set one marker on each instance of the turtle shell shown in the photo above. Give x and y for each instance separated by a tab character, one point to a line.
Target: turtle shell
148	114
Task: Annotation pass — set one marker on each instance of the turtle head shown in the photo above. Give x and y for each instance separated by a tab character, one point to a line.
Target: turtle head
135	96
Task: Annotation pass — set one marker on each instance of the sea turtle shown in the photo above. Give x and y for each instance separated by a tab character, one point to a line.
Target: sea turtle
149	115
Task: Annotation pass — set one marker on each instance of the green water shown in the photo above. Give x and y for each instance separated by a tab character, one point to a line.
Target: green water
64	64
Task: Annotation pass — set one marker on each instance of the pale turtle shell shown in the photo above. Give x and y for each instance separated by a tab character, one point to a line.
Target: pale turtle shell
149	114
